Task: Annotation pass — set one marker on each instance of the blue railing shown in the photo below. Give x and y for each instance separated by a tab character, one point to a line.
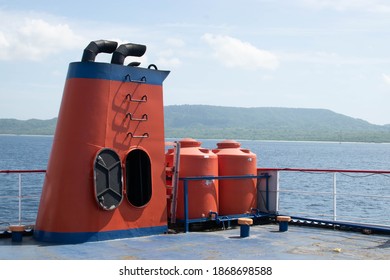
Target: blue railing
214	215
306	193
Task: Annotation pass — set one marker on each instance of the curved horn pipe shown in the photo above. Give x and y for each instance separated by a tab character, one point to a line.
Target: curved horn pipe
125	50
96	47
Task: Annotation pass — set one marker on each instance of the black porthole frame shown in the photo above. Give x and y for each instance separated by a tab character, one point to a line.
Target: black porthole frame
108	179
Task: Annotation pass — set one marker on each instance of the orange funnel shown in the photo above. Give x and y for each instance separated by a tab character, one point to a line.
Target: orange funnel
106	176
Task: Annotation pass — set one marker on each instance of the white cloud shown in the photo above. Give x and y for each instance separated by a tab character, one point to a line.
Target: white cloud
33	38
3	41
233	52
4	45
170	55
386	78
168	62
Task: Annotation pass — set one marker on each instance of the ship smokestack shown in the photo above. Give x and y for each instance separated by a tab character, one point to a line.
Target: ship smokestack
96	47
115	126
125	50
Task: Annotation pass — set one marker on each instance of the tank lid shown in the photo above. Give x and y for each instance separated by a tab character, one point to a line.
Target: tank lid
189	142
228	144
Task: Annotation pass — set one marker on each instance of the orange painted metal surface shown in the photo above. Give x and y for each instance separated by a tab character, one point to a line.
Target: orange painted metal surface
202	194
95	114
236	196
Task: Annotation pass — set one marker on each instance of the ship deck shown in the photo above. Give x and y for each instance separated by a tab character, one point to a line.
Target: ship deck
264	243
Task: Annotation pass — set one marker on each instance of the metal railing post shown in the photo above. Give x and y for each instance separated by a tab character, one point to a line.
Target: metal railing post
267	192
334	197
186	205
20	198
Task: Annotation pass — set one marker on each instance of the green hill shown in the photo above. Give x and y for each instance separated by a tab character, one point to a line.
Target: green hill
28	127
203	121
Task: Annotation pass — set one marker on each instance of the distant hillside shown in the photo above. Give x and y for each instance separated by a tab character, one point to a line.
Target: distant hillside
28	127
202	121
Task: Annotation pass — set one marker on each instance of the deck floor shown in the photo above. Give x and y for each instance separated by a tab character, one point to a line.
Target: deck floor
265	242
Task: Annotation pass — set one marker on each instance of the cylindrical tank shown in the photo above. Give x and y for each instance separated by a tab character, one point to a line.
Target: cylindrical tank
202	194
236	196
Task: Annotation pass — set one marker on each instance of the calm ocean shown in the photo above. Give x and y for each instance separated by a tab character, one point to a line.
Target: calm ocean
32	152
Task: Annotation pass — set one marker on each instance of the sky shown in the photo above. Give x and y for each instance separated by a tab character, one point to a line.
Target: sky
329	54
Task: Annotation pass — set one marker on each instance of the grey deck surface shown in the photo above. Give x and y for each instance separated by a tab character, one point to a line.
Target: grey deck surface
265	242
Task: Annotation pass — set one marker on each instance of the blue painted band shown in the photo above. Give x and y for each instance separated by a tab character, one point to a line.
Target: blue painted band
80	237
115	72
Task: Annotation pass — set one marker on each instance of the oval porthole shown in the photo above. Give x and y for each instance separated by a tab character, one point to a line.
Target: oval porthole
138	178
108	179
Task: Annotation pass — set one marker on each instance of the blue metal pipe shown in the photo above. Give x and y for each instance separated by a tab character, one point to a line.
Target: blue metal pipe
267	193
185	180
195	178
186	206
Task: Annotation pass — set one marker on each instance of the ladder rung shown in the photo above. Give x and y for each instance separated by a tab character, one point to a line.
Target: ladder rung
142	119
144	98
145	135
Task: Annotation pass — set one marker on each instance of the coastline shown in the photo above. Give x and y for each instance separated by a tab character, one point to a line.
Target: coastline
220	139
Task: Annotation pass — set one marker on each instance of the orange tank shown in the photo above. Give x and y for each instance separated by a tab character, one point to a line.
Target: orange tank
236	196
202	194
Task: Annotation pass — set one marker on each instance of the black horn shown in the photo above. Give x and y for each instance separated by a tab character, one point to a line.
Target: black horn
134	64
125	50
96	47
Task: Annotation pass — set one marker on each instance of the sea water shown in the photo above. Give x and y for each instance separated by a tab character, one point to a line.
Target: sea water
360	197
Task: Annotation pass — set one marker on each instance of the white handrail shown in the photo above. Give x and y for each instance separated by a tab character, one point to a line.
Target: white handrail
333	193
20	196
